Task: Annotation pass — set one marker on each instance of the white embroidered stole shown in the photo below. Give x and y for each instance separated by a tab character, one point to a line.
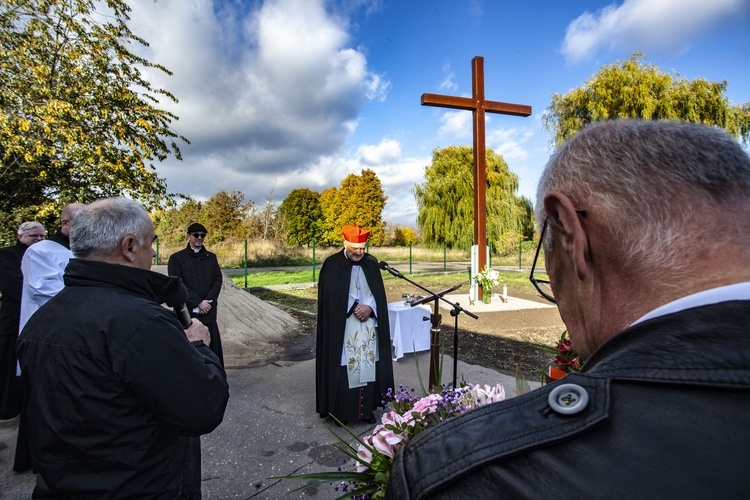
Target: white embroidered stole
360	350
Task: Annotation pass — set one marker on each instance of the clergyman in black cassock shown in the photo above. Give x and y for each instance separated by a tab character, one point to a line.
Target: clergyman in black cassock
353	365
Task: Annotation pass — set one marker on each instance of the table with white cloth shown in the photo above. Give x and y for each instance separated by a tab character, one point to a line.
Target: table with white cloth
410	332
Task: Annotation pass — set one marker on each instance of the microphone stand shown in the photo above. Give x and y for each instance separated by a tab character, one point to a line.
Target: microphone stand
435	319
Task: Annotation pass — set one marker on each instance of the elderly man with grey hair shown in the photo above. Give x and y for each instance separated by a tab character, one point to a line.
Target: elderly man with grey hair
114	383
44	265
11	284
646	232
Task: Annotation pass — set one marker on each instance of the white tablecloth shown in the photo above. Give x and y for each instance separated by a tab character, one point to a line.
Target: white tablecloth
409	331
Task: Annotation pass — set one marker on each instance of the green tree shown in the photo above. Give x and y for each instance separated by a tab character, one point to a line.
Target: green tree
637	89
302	217
446	199
359	200
171	223
78	121
223	215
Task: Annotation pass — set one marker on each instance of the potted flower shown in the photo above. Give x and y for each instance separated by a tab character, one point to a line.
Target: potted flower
566	359
487	278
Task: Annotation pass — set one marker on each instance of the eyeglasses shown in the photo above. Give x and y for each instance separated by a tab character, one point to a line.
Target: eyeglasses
33	236
543	286
198	235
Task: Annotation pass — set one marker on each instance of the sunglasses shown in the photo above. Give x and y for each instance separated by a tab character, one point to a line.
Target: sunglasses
198	235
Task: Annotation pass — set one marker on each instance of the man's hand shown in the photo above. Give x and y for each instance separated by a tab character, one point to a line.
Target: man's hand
363	312
204	306
198	331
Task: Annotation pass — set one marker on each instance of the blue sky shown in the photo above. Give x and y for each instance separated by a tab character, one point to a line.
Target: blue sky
284	94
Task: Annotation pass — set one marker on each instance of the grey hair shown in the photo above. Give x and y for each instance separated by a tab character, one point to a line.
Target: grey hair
28	226
652	180
100	227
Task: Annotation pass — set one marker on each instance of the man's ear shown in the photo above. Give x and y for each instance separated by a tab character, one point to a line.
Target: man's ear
566	222
128	248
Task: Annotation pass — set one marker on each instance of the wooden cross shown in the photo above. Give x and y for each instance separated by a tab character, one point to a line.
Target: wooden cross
478	106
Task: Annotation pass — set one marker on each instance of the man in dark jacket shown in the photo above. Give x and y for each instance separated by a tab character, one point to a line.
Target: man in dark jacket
114	383
11	284
353	364
42	266
200	272
646	232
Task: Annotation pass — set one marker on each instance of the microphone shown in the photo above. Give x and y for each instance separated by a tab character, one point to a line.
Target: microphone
177	301
351	309
385	267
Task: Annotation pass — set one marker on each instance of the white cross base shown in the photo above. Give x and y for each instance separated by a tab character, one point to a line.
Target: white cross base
474	287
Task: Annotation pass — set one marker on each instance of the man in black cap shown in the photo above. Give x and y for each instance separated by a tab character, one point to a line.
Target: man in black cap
201	274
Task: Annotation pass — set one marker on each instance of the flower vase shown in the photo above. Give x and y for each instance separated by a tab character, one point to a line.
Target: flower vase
486	296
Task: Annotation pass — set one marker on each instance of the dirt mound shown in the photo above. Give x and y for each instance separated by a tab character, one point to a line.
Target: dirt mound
253	332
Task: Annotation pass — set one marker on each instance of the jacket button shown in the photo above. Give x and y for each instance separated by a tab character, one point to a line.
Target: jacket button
568	399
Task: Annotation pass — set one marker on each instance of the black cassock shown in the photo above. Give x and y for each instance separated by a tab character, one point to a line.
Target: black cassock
11	284
332	393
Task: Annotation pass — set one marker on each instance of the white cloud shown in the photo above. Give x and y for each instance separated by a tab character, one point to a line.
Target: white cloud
398	179
267	92
455	125
509	143
646	26
387	150
448	83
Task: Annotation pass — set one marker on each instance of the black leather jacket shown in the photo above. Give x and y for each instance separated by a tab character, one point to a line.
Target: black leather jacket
660	411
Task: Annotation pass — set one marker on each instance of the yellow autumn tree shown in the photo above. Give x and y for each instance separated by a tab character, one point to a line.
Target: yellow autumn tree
78	120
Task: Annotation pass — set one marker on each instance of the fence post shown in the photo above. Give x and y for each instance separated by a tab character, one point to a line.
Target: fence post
313	261
157	251
520	243
245	262
410	245
445	257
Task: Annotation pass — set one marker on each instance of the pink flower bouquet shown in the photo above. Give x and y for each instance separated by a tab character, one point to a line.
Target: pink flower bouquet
405	417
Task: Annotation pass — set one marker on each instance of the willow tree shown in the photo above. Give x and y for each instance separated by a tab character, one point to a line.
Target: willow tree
637	89
78	120
446	200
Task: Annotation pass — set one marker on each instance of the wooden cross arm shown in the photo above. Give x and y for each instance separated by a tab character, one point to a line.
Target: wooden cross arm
470	104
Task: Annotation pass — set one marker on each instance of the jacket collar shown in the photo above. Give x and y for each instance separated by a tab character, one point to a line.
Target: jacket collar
154	286
60	239
193	252
708	345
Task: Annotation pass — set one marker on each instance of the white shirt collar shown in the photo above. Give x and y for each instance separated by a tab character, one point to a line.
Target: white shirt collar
737	291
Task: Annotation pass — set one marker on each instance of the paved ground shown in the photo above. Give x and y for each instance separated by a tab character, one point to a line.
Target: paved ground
270	428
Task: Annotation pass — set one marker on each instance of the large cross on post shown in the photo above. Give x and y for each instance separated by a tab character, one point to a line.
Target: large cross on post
478	105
